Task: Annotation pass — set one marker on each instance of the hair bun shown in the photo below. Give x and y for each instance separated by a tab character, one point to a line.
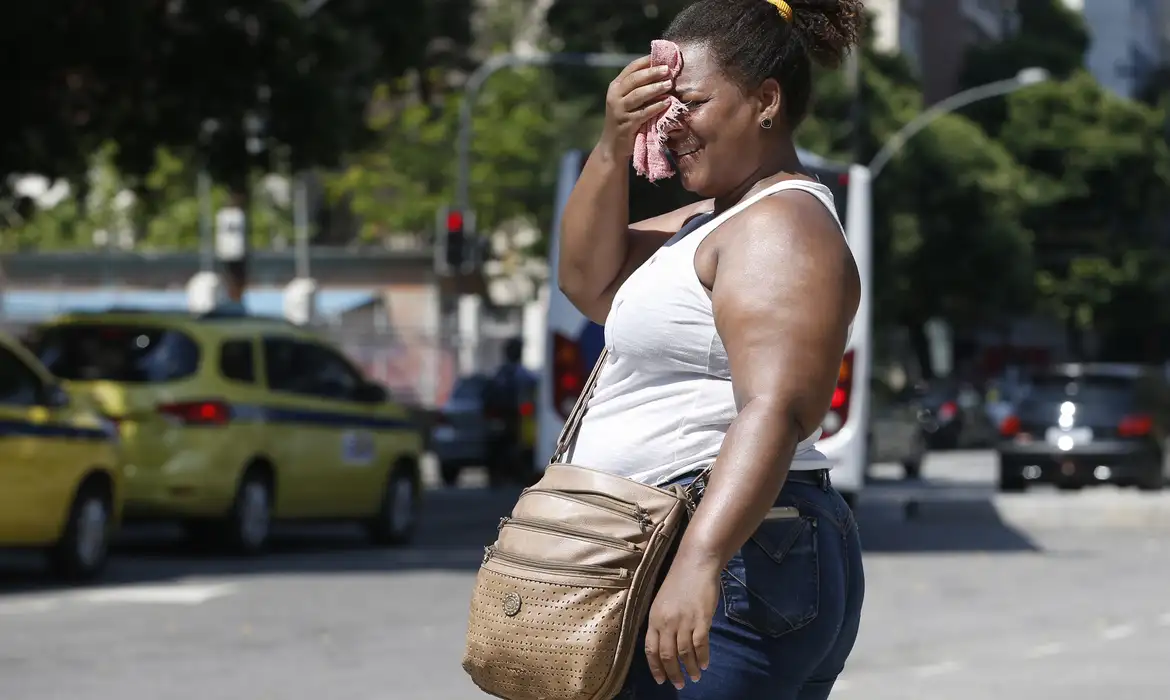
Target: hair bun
828	28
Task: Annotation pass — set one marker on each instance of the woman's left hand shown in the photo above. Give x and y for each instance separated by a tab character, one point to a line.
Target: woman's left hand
680	623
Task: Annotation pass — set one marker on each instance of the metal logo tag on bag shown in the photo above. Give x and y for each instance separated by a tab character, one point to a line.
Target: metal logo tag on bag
511	603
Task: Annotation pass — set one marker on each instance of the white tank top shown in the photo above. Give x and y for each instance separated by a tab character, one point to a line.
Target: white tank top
664	401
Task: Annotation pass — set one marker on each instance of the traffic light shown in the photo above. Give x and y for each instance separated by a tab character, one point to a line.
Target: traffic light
456	240
455	249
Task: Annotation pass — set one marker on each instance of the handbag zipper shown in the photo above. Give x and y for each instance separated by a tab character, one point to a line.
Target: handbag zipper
632	512
558	529
491	552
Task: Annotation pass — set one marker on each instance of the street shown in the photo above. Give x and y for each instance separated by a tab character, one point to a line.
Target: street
1036	596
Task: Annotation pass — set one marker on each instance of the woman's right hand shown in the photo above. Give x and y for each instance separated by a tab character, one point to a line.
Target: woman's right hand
638	94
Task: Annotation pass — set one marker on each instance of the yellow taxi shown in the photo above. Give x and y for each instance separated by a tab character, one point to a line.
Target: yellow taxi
229	422
60	479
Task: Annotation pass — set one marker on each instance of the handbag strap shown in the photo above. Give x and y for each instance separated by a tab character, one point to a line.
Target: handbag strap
573	422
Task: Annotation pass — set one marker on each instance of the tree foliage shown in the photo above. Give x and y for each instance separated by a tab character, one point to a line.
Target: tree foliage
1100	168
160	213
518	132
1097	165
154	73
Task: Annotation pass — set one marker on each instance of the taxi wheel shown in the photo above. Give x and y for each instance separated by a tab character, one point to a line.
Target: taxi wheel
82	552
398	514
250	520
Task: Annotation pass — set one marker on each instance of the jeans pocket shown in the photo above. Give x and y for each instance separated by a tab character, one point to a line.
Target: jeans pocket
772	585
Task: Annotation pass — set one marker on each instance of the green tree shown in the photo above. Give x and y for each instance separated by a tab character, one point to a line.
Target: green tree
518	133
1100	166
152	74
162	214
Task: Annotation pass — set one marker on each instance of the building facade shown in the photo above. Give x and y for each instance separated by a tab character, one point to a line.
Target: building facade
934	35
1130	40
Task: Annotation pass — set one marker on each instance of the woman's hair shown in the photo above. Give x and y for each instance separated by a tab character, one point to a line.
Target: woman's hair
753	41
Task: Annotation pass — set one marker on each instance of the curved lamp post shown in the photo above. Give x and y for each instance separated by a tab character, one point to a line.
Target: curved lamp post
1023	79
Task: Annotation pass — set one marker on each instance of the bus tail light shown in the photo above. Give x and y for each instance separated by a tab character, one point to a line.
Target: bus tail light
568	374
839	406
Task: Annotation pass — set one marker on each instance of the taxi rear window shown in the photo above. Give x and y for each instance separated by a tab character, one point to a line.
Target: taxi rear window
116	352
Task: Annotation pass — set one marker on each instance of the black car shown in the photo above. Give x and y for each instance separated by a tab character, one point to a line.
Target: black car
1082	424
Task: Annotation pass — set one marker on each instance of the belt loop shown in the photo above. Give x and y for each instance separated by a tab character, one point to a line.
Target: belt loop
825	482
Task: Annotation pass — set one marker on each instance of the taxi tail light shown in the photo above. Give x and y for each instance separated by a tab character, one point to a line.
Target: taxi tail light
197	412
1135	426
568	374
1009	427
948	410
527	409
842	396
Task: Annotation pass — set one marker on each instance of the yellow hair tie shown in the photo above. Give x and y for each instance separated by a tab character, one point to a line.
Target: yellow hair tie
783	7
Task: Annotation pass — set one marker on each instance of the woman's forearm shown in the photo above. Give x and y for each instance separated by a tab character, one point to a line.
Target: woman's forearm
748	475
595	227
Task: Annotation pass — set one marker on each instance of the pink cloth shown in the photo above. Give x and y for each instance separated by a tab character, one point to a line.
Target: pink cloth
650	160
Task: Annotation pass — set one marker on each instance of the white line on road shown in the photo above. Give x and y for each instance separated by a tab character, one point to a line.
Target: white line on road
1112	634
191	594
1044	650
939	669
26	607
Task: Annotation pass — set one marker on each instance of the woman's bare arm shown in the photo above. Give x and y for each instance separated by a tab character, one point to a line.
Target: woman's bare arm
786	289
599	248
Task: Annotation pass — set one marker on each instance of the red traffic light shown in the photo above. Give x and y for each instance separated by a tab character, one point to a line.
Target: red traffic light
455	221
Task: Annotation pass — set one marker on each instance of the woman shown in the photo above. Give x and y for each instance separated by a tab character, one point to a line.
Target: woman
725	344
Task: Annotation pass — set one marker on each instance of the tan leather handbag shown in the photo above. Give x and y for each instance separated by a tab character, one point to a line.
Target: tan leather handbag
562	594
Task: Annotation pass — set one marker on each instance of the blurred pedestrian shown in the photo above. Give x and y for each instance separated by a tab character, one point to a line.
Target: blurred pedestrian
506	394
726	323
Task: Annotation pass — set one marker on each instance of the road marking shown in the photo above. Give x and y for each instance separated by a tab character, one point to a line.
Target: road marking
189	594
939	669
1117	632
27	607
1044	650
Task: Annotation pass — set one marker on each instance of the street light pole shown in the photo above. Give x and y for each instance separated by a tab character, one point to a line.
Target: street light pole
1025	78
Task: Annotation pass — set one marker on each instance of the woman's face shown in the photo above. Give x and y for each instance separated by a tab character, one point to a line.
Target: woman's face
718	145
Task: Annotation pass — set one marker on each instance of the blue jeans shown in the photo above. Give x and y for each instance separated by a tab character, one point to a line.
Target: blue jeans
789	613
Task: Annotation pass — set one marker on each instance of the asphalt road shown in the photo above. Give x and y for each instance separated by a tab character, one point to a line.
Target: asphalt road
1039	596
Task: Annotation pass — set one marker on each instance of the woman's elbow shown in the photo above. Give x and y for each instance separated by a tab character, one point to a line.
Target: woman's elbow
783	413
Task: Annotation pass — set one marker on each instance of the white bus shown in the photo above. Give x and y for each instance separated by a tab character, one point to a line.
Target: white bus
575	342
